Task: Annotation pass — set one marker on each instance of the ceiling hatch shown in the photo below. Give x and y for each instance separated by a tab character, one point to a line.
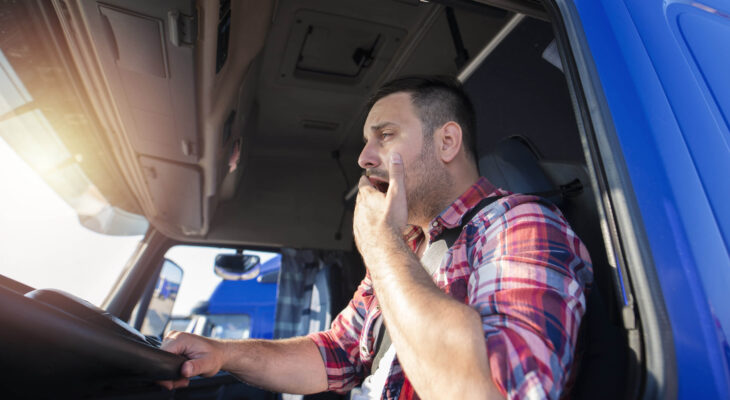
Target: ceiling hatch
337	50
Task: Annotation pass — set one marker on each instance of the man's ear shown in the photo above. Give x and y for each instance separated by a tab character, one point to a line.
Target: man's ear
448	141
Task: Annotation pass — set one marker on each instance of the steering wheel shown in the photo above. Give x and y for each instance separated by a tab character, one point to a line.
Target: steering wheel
53	341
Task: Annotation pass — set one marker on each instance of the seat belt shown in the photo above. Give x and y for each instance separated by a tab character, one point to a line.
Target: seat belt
430	261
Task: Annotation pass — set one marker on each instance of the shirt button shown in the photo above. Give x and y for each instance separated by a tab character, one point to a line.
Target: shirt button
364	349
435	224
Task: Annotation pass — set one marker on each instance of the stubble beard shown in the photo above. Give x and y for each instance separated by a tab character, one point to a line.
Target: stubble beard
426	188
429	182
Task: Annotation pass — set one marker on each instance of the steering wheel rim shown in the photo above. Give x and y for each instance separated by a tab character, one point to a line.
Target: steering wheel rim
46	343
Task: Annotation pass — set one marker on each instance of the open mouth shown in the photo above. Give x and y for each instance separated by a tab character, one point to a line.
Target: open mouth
382	186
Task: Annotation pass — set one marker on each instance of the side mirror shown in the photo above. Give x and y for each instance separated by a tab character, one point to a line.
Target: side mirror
237	267
162	299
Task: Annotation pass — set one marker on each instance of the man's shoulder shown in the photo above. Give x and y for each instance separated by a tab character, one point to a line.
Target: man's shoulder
523	223
512	206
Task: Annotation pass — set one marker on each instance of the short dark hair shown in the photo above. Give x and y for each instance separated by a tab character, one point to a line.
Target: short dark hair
438	100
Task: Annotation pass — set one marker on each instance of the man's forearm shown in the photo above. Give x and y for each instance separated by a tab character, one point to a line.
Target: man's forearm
287	366
439	341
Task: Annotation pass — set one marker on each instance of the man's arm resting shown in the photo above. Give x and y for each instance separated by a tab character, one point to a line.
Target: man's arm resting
289	365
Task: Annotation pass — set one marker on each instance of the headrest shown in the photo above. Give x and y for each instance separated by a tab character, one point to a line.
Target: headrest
514	166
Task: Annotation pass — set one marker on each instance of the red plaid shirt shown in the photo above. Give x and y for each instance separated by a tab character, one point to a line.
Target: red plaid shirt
520	265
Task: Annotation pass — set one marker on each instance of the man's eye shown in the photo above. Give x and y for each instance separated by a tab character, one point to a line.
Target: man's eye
385	135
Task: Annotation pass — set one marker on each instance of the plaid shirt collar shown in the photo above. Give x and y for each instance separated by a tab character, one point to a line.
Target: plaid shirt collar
452	215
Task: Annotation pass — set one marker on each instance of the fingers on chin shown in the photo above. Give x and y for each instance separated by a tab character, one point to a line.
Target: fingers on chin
393	192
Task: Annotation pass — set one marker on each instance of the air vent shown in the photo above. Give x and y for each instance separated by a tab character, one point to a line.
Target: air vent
328	52
345	52
224	33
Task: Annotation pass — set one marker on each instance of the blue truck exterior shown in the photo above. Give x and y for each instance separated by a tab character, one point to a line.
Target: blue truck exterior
250	297
664	70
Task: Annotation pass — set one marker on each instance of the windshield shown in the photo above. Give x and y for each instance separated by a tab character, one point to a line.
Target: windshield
224	326
53	179
42	243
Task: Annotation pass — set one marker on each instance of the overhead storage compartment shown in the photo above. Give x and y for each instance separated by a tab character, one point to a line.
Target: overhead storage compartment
176	193
146	54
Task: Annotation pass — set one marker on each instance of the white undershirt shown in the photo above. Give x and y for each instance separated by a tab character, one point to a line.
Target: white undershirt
372	387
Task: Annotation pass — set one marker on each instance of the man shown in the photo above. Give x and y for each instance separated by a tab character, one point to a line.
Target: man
500	316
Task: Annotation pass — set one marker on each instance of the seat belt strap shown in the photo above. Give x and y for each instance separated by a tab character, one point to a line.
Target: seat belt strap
431	261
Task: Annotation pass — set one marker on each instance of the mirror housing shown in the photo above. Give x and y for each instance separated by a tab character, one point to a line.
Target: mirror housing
237	267
269	277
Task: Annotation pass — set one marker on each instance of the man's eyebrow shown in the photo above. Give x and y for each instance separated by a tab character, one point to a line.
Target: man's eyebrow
382	125
379	127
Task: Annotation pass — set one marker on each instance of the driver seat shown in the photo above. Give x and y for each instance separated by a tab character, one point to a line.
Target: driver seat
514	165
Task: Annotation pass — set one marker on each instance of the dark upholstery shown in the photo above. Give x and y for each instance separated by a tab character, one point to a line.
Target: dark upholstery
513	165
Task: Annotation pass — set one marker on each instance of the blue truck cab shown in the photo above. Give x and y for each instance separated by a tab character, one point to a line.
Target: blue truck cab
239	123
656	73
242	308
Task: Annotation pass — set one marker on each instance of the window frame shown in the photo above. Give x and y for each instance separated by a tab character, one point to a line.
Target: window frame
644	313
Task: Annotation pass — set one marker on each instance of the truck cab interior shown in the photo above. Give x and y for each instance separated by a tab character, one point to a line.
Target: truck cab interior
239	123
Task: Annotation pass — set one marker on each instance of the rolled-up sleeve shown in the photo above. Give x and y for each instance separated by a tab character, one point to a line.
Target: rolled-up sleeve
340	345
528	284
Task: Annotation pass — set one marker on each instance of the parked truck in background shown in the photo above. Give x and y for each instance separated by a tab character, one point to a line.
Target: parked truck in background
238	308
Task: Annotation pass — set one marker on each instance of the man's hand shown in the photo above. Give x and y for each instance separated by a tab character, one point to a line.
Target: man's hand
206	356
287	365
376	213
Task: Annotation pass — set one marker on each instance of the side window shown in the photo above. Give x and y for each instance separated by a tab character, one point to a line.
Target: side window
225	293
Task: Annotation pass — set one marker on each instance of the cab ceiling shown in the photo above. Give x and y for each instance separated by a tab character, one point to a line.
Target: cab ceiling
323	58
321	61
239	122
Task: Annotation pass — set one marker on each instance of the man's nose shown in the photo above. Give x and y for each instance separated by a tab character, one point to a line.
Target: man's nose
369	158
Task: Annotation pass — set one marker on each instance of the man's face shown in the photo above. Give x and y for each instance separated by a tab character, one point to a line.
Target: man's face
393	126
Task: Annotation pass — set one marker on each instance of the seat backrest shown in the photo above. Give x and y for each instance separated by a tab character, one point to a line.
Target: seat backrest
513	165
